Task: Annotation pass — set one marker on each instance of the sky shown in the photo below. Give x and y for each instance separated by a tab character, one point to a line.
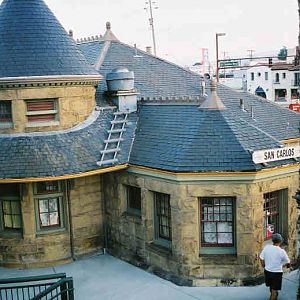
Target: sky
182	28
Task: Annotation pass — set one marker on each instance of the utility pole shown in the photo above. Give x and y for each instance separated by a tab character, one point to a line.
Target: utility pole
217	53
150	4
251	51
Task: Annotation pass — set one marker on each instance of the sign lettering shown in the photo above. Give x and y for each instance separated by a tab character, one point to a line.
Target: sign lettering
268	155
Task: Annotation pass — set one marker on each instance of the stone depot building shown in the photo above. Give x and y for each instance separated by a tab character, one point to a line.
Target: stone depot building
107	147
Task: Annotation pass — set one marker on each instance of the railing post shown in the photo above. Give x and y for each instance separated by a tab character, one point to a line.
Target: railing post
71	290
64	291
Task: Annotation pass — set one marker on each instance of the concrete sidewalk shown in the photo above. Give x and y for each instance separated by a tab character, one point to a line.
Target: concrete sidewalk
104	277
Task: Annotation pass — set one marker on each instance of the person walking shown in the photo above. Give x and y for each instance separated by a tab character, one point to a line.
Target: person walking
273	258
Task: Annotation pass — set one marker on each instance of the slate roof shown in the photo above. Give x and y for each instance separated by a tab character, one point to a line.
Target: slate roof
168	132
177	136
60	153
184	139
33	43
154	77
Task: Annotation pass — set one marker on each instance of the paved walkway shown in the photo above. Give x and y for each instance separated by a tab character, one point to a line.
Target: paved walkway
104	277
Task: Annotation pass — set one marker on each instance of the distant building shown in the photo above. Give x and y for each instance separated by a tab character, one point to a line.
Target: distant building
278	82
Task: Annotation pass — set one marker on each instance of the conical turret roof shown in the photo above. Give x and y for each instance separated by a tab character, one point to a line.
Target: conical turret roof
34	43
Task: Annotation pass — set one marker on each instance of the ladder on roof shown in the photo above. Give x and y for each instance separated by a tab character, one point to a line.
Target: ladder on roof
114	139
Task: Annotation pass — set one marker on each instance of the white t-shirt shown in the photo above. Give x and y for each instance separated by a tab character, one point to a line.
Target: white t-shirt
274	257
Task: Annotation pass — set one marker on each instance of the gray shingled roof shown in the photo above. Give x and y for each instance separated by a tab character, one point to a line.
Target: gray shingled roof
184	139
180	137
60	153
155	77
33	43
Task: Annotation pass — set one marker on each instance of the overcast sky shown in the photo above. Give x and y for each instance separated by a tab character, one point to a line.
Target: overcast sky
184	27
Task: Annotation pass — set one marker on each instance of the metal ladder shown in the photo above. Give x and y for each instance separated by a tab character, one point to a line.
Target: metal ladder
114	139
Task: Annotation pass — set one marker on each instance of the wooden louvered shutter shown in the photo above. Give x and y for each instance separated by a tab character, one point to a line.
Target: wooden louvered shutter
41	111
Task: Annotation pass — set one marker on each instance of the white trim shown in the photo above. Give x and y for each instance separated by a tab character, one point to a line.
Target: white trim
54	78
41	112
215	176
42	124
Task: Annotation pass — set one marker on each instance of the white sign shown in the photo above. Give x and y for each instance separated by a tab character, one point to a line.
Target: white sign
268	155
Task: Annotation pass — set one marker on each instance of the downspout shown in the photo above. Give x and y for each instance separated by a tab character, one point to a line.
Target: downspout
105	233
68	195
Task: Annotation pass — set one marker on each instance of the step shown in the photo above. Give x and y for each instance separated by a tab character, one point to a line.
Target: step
114	140
116	130
118	121
106	162
110	150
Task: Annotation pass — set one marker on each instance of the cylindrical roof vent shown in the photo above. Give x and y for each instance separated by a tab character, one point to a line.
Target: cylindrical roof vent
120	79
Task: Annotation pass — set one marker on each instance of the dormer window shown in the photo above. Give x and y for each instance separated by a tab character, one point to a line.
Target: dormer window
5	112
42	112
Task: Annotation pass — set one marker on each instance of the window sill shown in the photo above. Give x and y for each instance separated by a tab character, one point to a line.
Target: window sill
159	249
6	125
51	231
219	259
217	251
42	124
133	216
11	234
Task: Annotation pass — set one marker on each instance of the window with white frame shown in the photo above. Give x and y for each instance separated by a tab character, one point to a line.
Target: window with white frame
5	111
42	111
163	221
133	195
217	223
10	208
49	205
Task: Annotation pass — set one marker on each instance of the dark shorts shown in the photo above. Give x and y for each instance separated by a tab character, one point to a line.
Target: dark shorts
273	280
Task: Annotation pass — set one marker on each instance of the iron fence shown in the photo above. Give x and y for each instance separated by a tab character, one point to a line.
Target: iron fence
45	287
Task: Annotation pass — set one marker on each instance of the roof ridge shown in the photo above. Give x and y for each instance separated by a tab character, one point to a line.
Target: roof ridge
90	39
236	116
102	55
153	56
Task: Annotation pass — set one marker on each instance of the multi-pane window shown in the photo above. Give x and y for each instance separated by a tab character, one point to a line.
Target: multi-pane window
42	110
163	216
271	213
5	111
49	205
217	221
49	211
10	208
133	199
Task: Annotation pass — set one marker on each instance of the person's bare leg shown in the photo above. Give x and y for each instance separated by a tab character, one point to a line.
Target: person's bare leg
274	294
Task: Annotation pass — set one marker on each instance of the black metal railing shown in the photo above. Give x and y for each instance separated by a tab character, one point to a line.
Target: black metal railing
45	287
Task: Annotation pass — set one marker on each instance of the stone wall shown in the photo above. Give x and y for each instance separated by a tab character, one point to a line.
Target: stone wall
82	236
75	104
87	215
132	238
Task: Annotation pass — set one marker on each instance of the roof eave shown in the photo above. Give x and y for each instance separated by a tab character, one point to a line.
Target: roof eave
61	79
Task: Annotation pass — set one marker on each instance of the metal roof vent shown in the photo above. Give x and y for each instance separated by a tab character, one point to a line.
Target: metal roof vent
120	79
213	102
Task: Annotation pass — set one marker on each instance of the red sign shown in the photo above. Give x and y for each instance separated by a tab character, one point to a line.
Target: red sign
295	107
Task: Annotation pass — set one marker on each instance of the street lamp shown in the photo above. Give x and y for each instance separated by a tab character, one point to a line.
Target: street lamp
217	53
